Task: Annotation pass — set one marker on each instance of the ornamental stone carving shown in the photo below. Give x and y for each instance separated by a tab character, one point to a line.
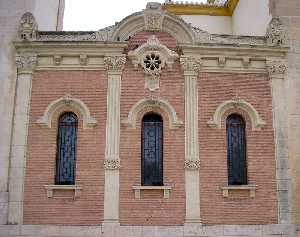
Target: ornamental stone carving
28	27
276	67
192	164
153	16
114	63
190	65
26	62
276	32
112	164
152	56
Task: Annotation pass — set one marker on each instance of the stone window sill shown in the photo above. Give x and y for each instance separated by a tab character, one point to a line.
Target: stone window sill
51	188
250	188
137	190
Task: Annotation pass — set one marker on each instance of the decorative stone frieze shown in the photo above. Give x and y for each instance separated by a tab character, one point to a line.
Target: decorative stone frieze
276	68
26	63
114	63
276	33
112	164
152	56
153	16
28	27
192	164
82	59
190	65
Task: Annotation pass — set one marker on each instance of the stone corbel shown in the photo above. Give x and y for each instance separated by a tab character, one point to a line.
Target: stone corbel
26	63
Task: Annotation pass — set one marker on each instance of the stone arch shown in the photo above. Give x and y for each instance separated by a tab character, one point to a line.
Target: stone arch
74	104
256	120
131	119
153	18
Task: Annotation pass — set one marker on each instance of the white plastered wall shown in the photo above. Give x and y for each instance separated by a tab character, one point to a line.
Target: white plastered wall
211	24
251	17
10	14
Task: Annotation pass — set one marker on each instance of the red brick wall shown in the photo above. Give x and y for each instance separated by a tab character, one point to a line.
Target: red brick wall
90	87
238	209
152	209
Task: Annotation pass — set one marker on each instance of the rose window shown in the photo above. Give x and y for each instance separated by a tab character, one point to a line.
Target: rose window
152	63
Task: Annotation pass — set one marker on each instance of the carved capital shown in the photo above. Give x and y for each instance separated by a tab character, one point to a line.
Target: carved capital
190	65
114	63
26	63
28	27
192	164
276	68
153	17
276	33
112	164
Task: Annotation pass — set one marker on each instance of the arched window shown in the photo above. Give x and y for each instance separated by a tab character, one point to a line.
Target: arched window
66	149
152	150
236	150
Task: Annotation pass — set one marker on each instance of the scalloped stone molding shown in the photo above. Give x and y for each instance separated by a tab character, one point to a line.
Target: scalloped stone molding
152	56
73	103
216	121
131	120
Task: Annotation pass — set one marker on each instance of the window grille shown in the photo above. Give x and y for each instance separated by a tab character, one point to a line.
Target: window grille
66	149
152	150
236	150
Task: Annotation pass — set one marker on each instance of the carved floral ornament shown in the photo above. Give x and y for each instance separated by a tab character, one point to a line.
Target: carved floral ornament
276	32
152	56
192	164
190	65
28	27
276	68
112	164
114	63
26	62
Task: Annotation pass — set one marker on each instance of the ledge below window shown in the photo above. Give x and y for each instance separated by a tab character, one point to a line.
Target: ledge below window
250	188
76	188
137	190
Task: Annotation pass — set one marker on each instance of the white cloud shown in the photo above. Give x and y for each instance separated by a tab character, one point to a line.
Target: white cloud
97	14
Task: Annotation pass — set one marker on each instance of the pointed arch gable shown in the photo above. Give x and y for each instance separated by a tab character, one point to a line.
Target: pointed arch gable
256	120
131	120
74	104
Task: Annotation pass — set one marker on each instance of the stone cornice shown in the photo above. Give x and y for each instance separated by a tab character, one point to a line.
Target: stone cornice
26	63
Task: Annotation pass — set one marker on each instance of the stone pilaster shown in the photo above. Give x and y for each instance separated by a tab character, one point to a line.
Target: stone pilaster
191	67
26	64
277	69
114	66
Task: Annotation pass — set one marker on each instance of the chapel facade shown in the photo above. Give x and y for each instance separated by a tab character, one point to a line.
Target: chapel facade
152	127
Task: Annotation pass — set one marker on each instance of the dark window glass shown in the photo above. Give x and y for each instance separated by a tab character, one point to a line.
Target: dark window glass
66	149
236	150
152	150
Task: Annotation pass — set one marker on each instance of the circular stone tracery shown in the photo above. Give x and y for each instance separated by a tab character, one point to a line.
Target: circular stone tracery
152	62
